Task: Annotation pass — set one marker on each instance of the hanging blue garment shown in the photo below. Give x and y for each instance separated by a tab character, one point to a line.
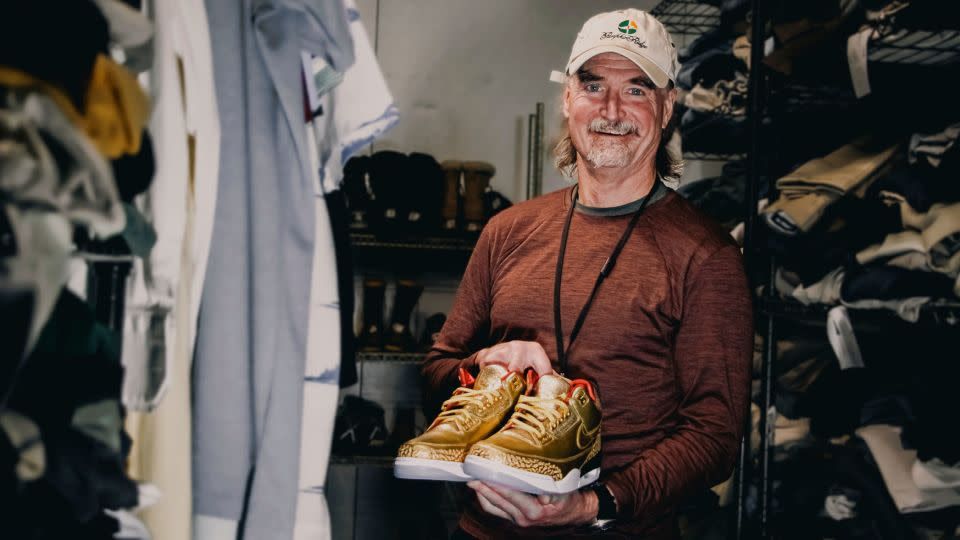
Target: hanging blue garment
252	330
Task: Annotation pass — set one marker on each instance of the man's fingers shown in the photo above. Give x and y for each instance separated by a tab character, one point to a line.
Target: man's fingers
485	357
490	508
527	504
549	499
516	515
542	364
539	359
517	356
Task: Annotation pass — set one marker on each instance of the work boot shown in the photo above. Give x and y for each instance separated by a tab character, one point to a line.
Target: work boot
425	192
359	427
357	192
450	211
387	171
399	338
371	336
476	181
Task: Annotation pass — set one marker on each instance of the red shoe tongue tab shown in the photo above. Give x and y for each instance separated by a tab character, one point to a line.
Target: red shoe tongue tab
531	377
490	377
466	379
582	383
551	386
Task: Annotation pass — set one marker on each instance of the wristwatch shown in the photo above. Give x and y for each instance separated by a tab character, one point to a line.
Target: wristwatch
606	505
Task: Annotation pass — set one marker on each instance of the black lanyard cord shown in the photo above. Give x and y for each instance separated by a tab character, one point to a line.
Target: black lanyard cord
605	271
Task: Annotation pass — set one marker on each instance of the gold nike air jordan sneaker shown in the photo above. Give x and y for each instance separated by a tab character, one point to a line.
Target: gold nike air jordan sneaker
551	444
476	409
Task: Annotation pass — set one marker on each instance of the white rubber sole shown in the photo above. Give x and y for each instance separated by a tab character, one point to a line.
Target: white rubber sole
409	468
538	484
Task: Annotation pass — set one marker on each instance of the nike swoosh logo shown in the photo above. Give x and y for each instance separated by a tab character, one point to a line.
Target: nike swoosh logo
584	437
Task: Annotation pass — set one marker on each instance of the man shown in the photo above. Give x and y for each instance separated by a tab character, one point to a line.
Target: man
667	338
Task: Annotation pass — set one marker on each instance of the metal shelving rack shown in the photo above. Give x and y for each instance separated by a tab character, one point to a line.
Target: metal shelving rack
941	312
412	253
385	462
916	47
438	256
709	156
415	243
691	18
687	17
391	357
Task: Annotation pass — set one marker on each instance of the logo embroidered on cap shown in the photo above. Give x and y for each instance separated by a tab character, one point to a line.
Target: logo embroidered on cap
628	27
632	39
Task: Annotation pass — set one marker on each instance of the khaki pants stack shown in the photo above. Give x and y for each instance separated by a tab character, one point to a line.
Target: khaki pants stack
807	192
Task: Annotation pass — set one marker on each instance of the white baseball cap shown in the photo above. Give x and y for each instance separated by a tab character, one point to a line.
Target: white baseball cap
632	33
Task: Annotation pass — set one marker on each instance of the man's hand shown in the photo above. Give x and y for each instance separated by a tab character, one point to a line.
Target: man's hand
516	356
525	510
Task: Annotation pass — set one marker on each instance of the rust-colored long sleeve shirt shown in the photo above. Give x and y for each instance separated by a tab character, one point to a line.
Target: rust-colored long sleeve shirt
668	343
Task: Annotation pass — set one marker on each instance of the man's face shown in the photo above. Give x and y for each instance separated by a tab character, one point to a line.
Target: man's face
615	112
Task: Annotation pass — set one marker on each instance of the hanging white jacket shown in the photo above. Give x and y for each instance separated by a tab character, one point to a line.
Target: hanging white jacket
162	313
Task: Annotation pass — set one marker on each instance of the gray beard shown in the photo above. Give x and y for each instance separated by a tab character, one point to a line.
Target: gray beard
609	154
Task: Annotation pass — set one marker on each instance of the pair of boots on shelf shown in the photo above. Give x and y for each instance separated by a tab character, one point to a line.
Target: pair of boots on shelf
465	187
390	193
397	337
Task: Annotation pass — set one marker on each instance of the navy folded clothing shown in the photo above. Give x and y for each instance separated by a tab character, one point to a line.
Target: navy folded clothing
715	38
721	197
692	68
893	283
847	226
711	133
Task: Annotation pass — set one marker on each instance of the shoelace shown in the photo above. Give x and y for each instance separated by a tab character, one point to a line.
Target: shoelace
537	415
456	406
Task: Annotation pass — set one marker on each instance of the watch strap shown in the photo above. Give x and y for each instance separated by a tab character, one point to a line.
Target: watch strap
606	503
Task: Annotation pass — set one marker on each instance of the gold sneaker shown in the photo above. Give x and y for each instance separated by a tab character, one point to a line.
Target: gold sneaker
550	445
476	409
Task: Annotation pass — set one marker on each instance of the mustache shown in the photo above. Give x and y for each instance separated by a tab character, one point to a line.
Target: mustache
623	127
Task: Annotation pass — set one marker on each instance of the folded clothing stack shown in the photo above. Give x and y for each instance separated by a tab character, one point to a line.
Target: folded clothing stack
866	228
